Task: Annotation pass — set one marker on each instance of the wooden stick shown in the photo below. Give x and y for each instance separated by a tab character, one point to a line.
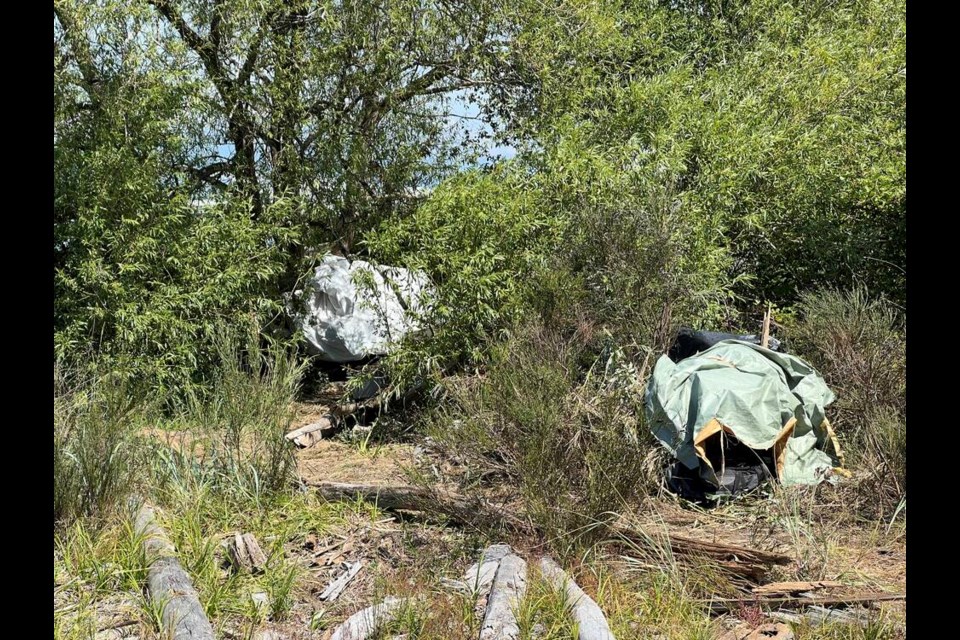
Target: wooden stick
364	623
717	550
169	585
591	623
765	339
309	435
506	592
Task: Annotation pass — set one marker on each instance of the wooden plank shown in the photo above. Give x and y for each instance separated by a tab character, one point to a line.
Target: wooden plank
591	623
168	585
333	591
765	338
776	588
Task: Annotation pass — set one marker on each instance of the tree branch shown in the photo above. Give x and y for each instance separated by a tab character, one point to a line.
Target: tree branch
197	43
80	48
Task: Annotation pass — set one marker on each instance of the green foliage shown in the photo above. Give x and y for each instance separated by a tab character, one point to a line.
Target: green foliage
201	148
858	343
781	125
483	239
96	417
530	243
91	565
667	152
140	267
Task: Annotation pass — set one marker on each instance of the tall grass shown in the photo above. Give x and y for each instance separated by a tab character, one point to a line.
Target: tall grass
236	422
858	343
96	417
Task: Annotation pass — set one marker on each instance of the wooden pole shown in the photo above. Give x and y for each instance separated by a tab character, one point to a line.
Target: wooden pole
765	339
591	623
168	584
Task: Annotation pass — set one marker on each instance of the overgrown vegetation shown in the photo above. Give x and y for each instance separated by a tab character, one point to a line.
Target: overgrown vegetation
669	163
96	416
234	426
550	416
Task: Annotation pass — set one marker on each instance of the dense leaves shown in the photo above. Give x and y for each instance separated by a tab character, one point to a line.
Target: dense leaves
782	124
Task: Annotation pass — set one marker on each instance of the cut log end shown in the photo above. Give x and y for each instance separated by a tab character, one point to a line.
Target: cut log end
246	554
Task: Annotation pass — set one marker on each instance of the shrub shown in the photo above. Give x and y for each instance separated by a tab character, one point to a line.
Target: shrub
240	415
521	241
858	343
484	240
566	434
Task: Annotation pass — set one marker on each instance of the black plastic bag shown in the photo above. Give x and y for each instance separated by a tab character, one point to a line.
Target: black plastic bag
690	342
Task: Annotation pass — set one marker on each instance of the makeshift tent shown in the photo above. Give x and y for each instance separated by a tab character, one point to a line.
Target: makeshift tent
350	310
740	393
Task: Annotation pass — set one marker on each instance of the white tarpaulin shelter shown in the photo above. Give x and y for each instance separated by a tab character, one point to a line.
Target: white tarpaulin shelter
353	309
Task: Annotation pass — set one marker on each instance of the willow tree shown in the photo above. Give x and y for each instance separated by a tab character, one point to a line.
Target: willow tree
293	123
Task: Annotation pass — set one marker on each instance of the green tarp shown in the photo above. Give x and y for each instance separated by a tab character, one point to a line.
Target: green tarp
767	400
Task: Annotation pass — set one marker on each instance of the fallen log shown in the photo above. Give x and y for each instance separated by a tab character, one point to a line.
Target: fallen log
591	623
480	576
460	509
727	604
736	559
168	584
364	623
506	592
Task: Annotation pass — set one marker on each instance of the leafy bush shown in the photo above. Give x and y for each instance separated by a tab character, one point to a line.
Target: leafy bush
142	266
858	343
96	417
484	240
581	229
783	125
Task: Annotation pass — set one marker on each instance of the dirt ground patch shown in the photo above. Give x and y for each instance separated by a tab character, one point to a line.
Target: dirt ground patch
333	461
